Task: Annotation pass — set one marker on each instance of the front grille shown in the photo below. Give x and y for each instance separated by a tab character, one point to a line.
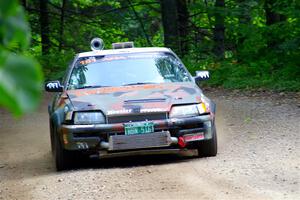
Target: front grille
141	141
136	118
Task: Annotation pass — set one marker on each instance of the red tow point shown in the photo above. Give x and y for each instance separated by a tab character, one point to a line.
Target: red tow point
181	142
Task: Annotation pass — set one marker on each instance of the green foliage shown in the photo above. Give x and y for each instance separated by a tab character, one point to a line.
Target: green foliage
20	76
233	75
257	53
55	65
83	20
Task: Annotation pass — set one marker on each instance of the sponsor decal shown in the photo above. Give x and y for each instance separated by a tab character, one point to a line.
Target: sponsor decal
143	110
88	61
111	58
117	112
150	110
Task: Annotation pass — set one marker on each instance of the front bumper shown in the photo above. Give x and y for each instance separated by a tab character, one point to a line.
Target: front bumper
97	136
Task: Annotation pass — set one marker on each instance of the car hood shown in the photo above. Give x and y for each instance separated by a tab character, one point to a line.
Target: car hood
136	98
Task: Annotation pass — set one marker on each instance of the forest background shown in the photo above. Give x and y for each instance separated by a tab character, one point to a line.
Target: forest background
245	44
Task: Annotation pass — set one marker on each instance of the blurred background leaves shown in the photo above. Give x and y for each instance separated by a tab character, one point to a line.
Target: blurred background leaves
20	75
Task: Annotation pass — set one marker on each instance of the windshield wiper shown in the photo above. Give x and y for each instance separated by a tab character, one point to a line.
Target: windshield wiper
91	86
140	83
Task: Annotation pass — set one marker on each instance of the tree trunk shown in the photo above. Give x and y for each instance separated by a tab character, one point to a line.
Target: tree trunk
170	24
244	18
44	23
271	16
183	26
62	22
244	12
141	23
219	30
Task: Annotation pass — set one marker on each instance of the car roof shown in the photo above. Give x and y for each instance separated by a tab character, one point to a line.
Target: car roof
124	50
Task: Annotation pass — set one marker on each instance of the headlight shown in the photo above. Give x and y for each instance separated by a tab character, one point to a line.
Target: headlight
89	118
187	111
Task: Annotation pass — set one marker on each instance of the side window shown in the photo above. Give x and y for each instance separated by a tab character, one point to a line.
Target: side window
78	77
171	68
177	68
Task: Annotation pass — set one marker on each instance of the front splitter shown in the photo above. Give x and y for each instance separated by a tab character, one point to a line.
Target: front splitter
185	152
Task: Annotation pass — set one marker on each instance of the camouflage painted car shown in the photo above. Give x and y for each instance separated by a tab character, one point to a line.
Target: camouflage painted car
128	101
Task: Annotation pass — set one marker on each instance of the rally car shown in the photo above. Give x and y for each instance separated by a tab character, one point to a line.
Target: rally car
129	101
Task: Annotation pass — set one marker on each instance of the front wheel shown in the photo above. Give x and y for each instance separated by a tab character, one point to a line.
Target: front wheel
52	137
63	158
209	148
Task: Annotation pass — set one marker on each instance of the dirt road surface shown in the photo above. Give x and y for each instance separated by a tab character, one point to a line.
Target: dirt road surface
259	158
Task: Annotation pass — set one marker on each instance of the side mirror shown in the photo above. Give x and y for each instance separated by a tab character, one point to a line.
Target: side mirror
201	76
53	86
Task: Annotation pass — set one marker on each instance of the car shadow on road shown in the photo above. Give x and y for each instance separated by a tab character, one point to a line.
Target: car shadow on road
132	161
42	164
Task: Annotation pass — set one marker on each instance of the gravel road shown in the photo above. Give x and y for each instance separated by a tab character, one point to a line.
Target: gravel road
259	158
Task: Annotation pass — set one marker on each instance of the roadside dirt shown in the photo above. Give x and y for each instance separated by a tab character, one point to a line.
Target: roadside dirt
259	158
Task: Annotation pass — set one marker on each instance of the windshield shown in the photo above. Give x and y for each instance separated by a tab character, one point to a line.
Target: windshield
127	69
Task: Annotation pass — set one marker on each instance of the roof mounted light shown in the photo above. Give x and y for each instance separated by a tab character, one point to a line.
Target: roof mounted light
97	44
122	45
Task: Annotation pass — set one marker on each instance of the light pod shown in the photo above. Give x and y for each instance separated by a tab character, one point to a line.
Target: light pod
97	44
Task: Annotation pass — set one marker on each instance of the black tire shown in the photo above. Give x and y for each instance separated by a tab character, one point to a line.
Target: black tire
208	148
52	137
63	158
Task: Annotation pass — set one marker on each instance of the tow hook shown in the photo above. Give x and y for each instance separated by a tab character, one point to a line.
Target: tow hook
181	142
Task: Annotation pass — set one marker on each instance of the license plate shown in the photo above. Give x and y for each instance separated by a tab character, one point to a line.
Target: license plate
138	128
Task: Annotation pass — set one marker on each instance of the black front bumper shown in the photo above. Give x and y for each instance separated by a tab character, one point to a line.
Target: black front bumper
89	137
